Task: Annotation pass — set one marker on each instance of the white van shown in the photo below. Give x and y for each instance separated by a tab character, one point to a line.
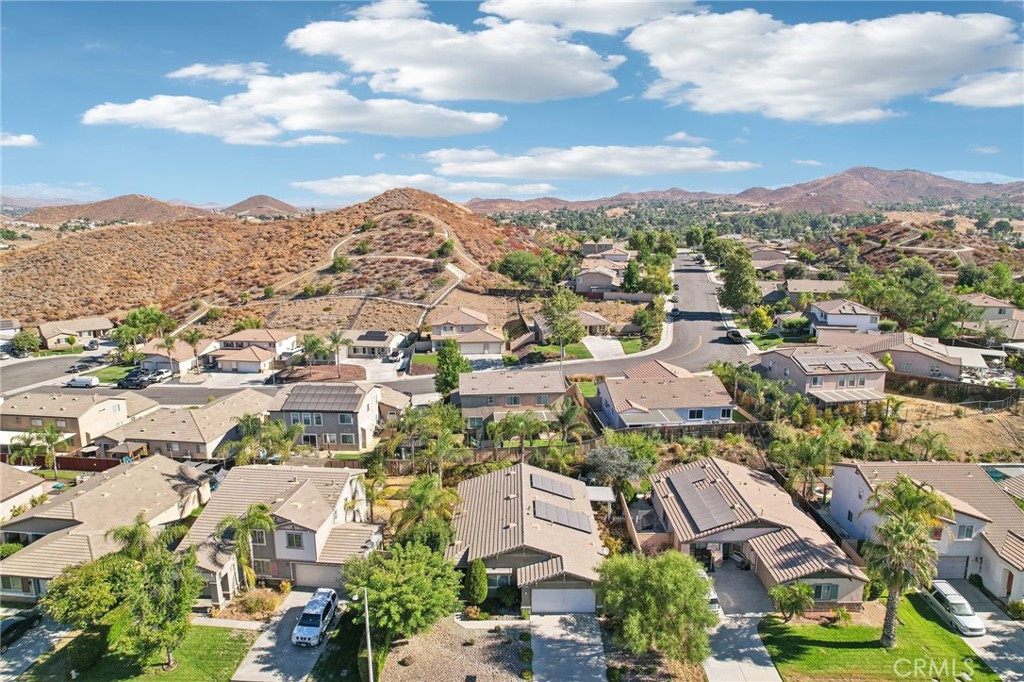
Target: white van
316	618
954	609
83	382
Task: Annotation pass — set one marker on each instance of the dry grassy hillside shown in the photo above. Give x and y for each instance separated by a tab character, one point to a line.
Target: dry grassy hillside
261	204
134	208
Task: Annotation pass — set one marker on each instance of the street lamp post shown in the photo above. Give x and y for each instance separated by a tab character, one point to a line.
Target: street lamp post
366	620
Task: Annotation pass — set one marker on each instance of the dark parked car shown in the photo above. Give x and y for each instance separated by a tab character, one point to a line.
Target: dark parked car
734	335
78	367
133	382
92	345
19	353
13	628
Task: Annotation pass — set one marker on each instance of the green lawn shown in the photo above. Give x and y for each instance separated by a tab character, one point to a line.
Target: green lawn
853	654
630	346
112	374
339	653
61	475
588	388
74	350
425	359
574	351
766	341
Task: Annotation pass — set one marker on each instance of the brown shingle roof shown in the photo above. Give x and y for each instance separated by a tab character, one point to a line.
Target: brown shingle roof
73	327
511	383
14	481
667	393
53	404
841	306
459	315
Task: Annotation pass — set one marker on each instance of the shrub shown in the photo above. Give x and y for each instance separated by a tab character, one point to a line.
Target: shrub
468	642
614	674
253	602
524	614
874	590
309	291
1016	610
340	264
268	291
214	314
526	654
475	613
245	297
524	636
507	595
614	545
888	326
363	247
285	587
975	579
475	583
527	674
8	548
841	617
324	289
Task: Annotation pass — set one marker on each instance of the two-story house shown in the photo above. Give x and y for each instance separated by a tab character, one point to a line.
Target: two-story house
659	394
534	530
841	314
469	328
72	527
492	396
910	353
181	359
596	280
816	289
60	333
334	416
319	519
81	417
984	536
717	508
997	318
253	351
827	375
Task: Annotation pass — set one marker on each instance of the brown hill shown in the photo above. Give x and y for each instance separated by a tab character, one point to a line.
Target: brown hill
110	271
261	205
134	208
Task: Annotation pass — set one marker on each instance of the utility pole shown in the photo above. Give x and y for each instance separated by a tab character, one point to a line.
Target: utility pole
366	620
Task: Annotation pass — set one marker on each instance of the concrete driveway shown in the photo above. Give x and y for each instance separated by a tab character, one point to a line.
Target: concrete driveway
567	648
737	653
1002	647
273	658
30	647
604	347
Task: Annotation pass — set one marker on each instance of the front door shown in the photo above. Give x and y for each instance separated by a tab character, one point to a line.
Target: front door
1009	583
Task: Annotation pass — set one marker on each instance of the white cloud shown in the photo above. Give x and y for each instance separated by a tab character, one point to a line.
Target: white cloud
827	72
979	176
370	185
1004	89
75	191
682	136
272	106
227	73
984	149
607	17
513	61
392	9
582	162
378	156
807	162
12	140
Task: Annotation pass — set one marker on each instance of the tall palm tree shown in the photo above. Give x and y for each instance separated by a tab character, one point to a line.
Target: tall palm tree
572	422
374	485
24	449
904	559
337	340
279	438
242	452
426	498
526	426
237	531
137	539
312	346
250	425
442	449
193	337
893	405
497	431
38	442
126	338
903	496
167	345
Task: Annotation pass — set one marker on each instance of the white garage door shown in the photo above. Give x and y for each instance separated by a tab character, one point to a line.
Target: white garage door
312	575
952	568
564	601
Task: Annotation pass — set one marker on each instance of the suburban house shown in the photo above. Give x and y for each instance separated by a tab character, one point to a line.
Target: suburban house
492	396
910	353
716	507
71	527
470	330
590	248
334	416
991	308
9	328
56	334
985	535
319	524
770	291
179	360
393	403
827	375
17	489
371	344
998	318
815	289
597	280
594	324
188	433
658	394
839	313
534	530
81	417
253	351
248	360
768	254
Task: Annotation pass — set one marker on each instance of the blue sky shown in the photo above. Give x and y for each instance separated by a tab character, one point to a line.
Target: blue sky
326	104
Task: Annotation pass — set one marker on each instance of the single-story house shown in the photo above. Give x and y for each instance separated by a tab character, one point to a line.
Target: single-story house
56	334
827	375
181	359
248	360
770	291
597	280
534	530
71	528
319	523
658	394
9	328
719	507
594	324
17	489
371	344
985	535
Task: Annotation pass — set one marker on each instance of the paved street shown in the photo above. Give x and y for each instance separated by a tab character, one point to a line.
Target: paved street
16	374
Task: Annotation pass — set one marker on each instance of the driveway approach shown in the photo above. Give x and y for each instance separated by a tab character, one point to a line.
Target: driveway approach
567	648
273	658
1002	647
737	652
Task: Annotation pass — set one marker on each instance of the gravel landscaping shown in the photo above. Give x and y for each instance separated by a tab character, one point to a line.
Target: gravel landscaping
444	653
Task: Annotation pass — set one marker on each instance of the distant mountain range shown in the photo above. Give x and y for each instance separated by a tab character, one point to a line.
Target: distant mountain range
852	190
137	208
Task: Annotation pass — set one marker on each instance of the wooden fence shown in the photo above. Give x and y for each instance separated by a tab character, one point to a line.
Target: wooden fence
72	463
952	391
517	293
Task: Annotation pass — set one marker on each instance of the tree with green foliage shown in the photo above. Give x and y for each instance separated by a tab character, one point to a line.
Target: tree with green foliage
759	321
903	496
525	426
138	539
475	585
572	422
42	442
524	267
792	598
643	446
81	595
426	498
631	277
450	364
794	271
236	531
313	346
739	288
193	337
149	321
615	464
247	322
561	310
409	589
167	345
694	237
26	342
340	264
657	603
337	340
433	532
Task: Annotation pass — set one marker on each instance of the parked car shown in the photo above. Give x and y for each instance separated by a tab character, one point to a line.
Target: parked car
393	356
82	382
92	345
674	298
953	608
160	375
13	628
712	595
136	373
676	312
133	383
675	286
734	335
740	559
3	355
316	618
19	353
78	367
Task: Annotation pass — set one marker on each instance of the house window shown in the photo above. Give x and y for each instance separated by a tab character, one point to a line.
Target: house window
392	415
785	371
490	400
1002	311
12	583
726	413
261	566
934	369
905	366
826	592
816	381
318	419
475	422
296	417
293	540
331	438
200	449
842	381
348	439
861	380
874	319
345	418
849	516
937	533
307	419
513	401
696	414
36	422
172	447
259	537
542	400
965	531
496	580
62	423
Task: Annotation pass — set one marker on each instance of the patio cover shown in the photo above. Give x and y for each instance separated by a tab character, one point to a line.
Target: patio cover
974	358
849	395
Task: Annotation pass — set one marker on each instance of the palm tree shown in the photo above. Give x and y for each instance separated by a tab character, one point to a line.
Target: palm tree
560	458
337	340
250	425
24	449
38	442
442	449
572	422
168	345
526	426
138	539
374	486
242	452
496	431
278	438
312	346
903	496
893	405
126	338
903	558
237	531
932	444
193	337
426	498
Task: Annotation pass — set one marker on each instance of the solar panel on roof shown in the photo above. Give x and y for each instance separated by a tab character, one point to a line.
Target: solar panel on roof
706	507
550	485
561	516
374	336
